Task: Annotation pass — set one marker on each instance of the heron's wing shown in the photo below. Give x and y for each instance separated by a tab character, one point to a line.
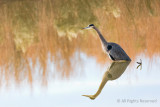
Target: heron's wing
118	53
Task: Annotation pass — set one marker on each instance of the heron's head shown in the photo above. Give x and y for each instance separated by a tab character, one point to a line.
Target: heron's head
89	26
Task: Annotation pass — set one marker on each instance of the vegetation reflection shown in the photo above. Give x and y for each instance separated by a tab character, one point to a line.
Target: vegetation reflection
33	32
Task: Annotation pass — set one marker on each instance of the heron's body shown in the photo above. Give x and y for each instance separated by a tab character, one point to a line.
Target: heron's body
114	51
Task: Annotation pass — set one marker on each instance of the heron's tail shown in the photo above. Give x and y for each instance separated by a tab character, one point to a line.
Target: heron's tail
92	97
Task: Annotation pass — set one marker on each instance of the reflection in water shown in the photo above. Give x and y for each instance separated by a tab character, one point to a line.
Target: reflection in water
114	71
44	54
34	32
113	50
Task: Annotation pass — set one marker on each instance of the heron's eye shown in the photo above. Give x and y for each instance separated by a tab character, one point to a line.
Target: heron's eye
91	25
109	47
109	76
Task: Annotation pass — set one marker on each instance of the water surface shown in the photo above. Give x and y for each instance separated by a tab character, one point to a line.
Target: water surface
46	59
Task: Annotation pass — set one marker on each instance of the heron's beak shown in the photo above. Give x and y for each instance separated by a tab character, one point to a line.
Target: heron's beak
86	28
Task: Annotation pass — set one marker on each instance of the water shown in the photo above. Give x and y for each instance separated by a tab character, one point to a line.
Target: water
46	59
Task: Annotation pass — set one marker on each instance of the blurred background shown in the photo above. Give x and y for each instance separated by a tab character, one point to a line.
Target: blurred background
47	60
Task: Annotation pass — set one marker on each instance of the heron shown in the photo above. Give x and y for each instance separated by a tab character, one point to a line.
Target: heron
115	70
113	50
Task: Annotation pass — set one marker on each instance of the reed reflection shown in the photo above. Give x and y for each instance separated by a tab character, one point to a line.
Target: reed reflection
115	70
35	31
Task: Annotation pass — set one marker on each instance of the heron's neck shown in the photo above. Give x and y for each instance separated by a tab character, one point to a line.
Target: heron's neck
103	41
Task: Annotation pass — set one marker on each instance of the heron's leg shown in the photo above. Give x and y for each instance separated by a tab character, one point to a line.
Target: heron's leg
104	80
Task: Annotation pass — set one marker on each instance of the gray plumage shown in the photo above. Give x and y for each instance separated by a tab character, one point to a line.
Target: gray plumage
114	51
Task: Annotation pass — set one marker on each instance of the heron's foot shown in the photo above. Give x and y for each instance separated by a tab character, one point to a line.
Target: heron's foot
92	97
140	64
